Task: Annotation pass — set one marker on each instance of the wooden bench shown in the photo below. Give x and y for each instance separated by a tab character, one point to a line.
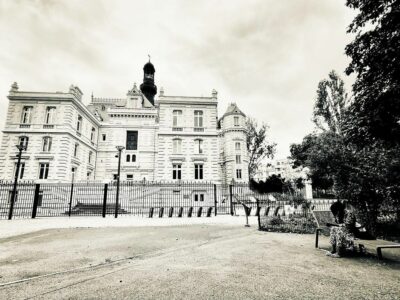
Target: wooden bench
323	217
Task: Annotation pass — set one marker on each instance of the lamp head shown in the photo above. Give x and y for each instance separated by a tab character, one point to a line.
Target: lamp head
21	147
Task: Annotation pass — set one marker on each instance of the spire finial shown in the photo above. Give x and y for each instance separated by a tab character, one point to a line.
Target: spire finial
149	56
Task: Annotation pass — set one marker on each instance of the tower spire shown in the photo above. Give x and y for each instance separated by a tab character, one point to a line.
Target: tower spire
148	88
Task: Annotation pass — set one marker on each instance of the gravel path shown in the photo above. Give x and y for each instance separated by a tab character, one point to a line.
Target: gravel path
205	261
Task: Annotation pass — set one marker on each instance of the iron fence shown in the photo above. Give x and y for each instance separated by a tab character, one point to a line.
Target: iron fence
139	198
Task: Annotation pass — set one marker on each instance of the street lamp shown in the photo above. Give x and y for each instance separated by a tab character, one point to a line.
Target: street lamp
21	147
72	191
119	148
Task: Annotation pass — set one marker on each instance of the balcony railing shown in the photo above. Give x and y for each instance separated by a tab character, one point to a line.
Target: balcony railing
48	126
177	129
199	129
24	125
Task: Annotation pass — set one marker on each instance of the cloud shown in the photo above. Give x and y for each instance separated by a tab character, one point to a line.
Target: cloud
265	55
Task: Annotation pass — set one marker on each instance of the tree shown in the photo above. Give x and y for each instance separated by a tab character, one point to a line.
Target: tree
376	63
331	103
257	144
372	126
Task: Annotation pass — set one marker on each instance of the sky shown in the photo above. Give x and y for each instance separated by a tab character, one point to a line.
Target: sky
267	56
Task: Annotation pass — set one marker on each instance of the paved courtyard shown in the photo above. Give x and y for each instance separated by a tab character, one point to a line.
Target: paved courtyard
218	258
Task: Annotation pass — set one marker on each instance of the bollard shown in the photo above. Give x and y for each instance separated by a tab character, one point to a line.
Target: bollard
151	211
209	211
161	212
200	210
190	212
180	212
171	212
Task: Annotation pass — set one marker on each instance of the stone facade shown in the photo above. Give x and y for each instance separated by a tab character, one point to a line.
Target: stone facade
167	138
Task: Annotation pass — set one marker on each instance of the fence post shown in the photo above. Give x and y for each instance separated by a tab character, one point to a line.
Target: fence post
215	199
105	200
35	200
258	214
230	198
70	198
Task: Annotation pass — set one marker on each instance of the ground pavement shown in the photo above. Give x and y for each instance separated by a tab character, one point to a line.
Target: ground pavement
215	259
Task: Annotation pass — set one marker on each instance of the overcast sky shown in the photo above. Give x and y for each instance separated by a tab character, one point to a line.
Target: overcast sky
266	55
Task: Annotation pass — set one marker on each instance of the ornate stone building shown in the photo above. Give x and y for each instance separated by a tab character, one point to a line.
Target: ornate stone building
165	138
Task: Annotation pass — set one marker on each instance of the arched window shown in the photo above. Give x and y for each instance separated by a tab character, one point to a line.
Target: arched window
92	134
23	141
133	157
176	146
50	114
198	146
128	158
46	145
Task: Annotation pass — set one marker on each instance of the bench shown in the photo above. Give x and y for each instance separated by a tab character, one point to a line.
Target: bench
323	217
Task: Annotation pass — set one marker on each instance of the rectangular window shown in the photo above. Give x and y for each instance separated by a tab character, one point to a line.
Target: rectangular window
76	148
50	112
21	170
46	147
23	141
177	118
198	119
237	146
104	137
176	171
26	115
238	174
236	121
177	146
88	174
238	159
198	171
131	140
199	146
129	177
115	176
199	197
44	170
90	157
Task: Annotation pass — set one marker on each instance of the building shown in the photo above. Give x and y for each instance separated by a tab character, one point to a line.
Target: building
165	138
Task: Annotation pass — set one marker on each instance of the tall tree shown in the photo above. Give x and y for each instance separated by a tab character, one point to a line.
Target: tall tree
372	126
331	103
375	60
258	146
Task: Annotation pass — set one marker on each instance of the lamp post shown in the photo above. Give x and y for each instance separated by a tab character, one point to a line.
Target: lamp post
20	148
119	148
72	192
